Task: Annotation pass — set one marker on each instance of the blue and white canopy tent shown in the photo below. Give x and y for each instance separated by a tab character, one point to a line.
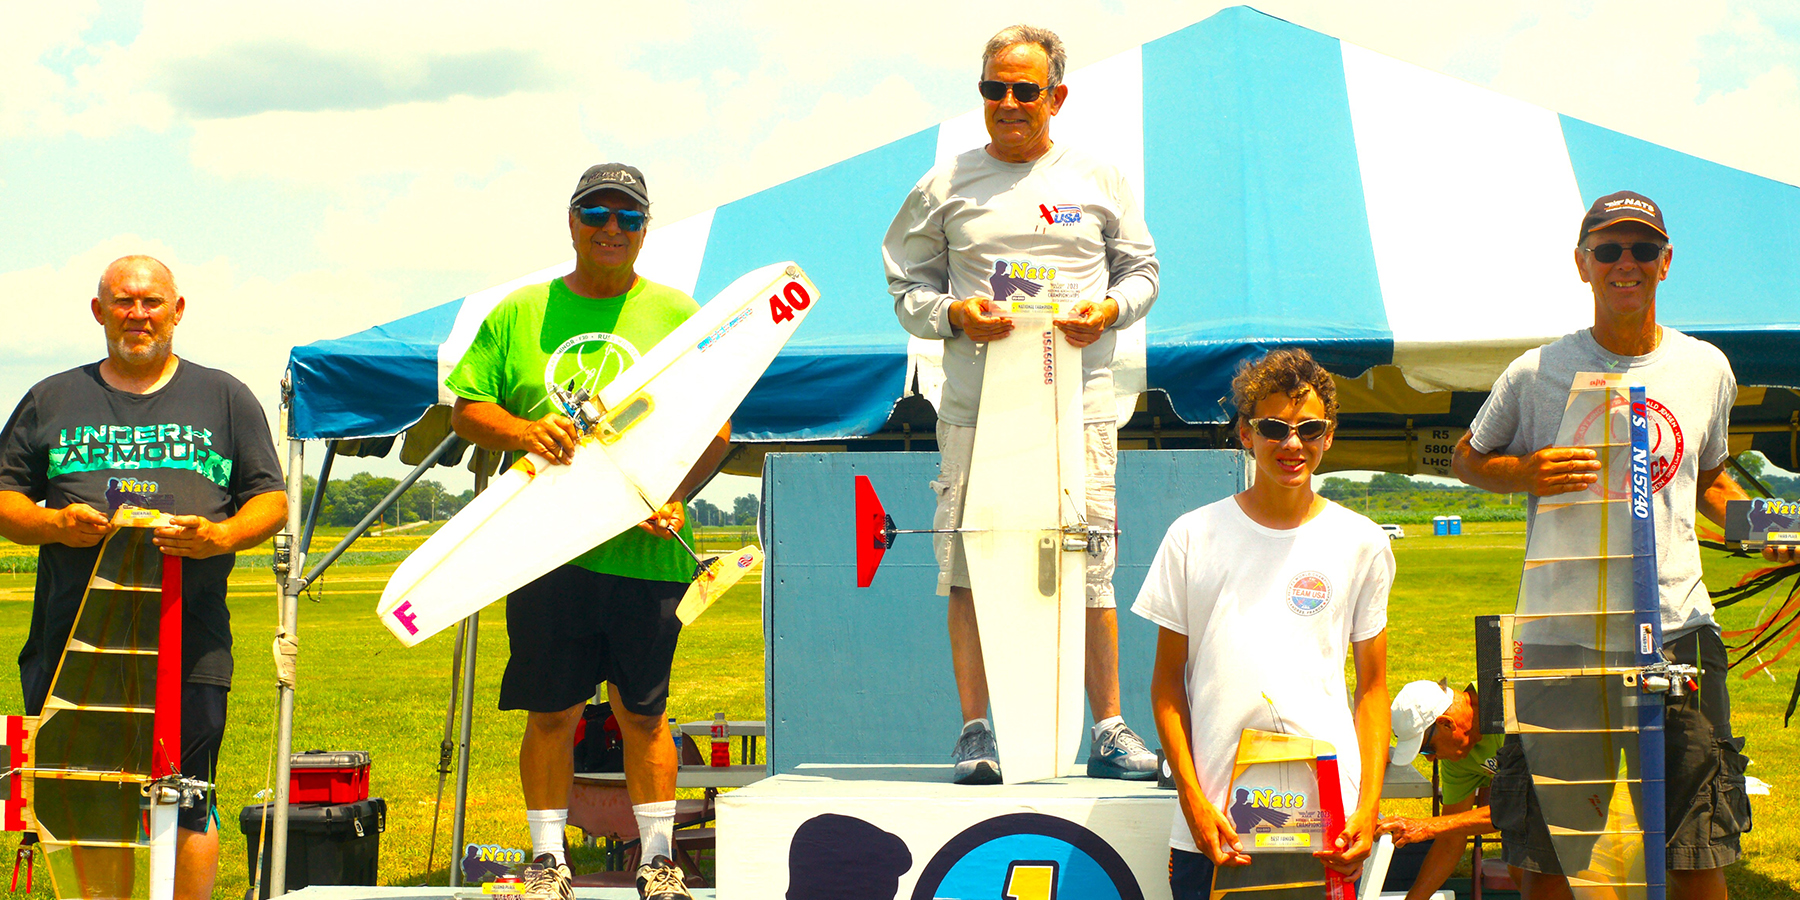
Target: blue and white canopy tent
1410	229
1301	190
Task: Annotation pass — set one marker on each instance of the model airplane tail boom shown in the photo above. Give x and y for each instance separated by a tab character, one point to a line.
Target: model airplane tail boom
649	426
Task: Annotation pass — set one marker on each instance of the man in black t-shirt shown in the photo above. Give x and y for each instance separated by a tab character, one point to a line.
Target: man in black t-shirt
145	428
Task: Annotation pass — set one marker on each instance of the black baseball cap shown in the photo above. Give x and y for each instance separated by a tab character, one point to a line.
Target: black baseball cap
619	177
1624	206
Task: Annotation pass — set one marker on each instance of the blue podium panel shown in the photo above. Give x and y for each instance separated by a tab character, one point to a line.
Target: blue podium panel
860	676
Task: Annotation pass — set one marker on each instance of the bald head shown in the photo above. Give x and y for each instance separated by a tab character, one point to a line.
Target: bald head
139	307
135	265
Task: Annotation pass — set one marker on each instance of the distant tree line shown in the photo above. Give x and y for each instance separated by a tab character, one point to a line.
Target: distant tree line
347	500
1388	497
743	513
1779	483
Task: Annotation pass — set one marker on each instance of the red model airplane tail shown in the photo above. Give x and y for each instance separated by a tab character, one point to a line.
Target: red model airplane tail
1331	800
874	531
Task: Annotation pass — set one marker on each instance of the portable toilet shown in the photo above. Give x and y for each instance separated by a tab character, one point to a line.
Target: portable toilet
1455	524
1440	525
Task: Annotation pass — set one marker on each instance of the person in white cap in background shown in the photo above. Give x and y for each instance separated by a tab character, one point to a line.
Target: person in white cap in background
1431	719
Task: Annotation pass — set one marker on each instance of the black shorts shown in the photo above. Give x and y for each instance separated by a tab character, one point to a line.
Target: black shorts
202	730
1190	875
572	629
1707	807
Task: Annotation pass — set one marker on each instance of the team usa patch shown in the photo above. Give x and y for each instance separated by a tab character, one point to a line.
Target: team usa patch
1060	214
1308	592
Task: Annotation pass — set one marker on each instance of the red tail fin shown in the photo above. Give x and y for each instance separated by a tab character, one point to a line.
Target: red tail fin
874	531
1331	801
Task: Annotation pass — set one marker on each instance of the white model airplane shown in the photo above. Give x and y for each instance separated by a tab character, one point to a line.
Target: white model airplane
1026	538
643	432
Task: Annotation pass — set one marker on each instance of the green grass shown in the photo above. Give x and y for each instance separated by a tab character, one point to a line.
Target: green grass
360	690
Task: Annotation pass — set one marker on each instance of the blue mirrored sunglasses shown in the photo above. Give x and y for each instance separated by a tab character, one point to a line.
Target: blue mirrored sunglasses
629	219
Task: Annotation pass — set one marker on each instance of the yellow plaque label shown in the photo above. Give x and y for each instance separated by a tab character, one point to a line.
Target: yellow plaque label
1283	841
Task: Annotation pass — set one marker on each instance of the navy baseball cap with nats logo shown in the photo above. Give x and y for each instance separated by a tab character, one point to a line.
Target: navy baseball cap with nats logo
619	177
1624	206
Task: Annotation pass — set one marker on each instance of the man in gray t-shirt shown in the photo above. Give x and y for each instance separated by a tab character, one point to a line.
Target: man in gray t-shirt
1623	254
1024	219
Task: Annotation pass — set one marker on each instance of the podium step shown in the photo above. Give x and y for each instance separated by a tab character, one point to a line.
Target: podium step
887	831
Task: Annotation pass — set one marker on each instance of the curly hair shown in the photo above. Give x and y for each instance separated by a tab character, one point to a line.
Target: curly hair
1286	370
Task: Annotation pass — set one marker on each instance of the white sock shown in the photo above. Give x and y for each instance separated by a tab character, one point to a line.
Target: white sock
656	829
1106	723
983	722
547	832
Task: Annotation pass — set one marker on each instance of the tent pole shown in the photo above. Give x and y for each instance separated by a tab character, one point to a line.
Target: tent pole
290	616
447	746
459	815
471	626
318	500
374	515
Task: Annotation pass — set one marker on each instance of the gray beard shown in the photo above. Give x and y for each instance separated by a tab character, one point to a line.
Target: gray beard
156	351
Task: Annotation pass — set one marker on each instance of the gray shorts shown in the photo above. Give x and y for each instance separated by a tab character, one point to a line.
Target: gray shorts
1707	805
956	444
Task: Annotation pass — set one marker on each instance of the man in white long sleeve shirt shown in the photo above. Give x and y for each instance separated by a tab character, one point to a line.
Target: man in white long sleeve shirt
1024	219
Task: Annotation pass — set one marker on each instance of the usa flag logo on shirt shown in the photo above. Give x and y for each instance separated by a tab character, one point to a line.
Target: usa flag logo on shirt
1060	214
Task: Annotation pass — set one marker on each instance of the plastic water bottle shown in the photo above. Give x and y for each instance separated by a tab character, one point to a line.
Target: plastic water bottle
675	735
721	743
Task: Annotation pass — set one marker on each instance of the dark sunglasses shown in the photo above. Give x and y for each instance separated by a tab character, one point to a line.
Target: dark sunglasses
1277	430
1427	743
629	219
1642	251
1022	91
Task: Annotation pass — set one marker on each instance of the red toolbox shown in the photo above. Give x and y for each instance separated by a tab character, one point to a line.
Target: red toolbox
329	776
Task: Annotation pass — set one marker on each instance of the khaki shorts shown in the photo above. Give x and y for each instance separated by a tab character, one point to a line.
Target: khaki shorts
956	444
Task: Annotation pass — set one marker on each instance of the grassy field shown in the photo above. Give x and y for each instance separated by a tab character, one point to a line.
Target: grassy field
360	690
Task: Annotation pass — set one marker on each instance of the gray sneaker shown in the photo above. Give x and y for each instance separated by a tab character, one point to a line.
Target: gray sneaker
1119	753
977	762
547	879
658	879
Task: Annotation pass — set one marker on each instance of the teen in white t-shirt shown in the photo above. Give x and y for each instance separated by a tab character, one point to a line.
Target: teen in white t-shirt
1260	596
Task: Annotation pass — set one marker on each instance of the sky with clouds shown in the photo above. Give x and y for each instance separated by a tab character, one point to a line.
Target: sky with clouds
312	169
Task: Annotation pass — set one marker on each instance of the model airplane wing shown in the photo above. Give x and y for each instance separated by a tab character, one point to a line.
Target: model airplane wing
656	420
1027	484
112	721
1585	625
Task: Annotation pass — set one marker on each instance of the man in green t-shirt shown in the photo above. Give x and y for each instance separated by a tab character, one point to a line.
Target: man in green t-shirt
1431	719
609	614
